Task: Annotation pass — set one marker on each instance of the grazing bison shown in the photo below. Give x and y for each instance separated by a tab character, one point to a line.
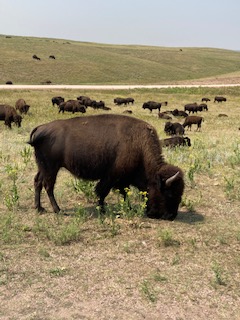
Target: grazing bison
220	99
173	128
117	150
8	114
190	120
35	57
52	57
120	101
151	105
71	106
57	100
203	106
193	107
22	106
176	141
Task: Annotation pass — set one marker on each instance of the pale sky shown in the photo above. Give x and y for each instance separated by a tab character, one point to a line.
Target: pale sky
168	23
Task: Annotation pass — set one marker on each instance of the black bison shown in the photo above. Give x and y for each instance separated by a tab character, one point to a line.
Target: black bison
9	82
193	107
151	105
71	106
9	115
190	120
220	99
203	106
205	99
179	113
173	128
117	150
86	101
57	100
98	104
176	141
163	115
35	57
22	106
52	57
120	101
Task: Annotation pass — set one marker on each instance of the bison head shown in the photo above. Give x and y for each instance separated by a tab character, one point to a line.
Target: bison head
163	204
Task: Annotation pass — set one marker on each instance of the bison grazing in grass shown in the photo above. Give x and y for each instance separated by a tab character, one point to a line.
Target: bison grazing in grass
9	115
173	128
116	150
190	120
152	105
57	100
22	106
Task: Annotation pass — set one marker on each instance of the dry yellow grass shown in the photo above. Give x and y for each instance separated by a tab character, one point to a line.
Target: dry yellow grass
82	267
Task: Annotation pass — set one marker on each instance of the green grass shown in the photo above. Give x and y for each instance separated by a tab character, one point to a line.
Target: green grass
93	63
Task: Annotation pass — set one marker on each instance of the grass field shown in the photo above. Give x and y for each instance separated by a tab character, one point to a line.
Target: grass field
93	63
123	265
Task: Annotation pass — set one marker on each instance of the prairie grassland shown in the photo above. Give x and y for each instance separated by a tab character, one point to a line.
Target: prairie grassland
94	63
123	265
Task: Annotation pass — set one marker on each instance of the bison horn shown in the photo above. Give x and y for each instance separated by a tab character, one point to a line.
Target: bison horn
170	180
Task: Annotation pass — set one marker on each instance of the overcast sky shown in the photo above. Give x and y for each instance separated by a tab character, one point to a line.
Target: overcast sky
169	23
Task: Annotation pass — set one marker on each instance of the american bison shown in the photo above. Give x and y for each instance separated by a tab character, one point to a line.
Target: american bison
151	105
71	106
193	107
116	150
173	128
57	100
163	115
205	99
35	57
190	120
22	106
176	141
9	115
220	99
52	57
179	113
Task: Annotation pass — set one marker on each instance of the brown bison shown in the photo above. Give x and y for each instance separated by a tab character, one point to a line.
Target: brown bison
190	120
22	106
220	99
151	105
173	128
176	141
71	106
116	150
8	114
35	57
57	100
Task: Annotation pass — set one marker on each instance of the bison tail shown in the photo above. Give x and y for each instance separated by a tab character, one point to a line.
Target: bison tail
35	137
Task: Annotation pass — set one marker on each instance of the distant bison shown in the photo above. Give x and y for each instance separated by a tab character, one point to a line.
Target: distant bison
151	105
179	113
52	57
190	120
173	128
9	82
176	141
205	99
72	106
9	115
57	100
220	99
163	115
116	150
35	57
22	106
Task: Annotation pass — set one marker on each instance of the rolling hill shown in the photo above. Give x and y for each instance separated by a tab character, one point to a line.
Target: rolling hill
93	63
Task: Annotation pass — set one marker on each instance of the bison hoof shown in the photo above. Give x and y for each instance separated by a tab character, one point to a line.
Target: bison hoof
41	210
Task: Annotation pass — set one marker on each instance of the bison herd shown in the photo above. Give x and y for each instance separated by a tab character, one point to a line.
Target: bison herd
117	150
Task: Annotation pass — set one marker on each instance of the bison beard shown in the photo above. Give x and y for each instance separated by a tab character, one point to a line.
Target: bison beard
116	150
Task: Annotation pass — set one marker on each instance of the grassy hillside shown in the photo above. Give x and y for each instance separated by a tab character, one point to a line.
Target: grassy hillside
91	63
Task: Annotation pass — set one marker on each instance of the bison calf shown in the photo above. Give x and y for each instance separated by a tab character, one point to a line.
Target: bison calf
116	150
9	115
